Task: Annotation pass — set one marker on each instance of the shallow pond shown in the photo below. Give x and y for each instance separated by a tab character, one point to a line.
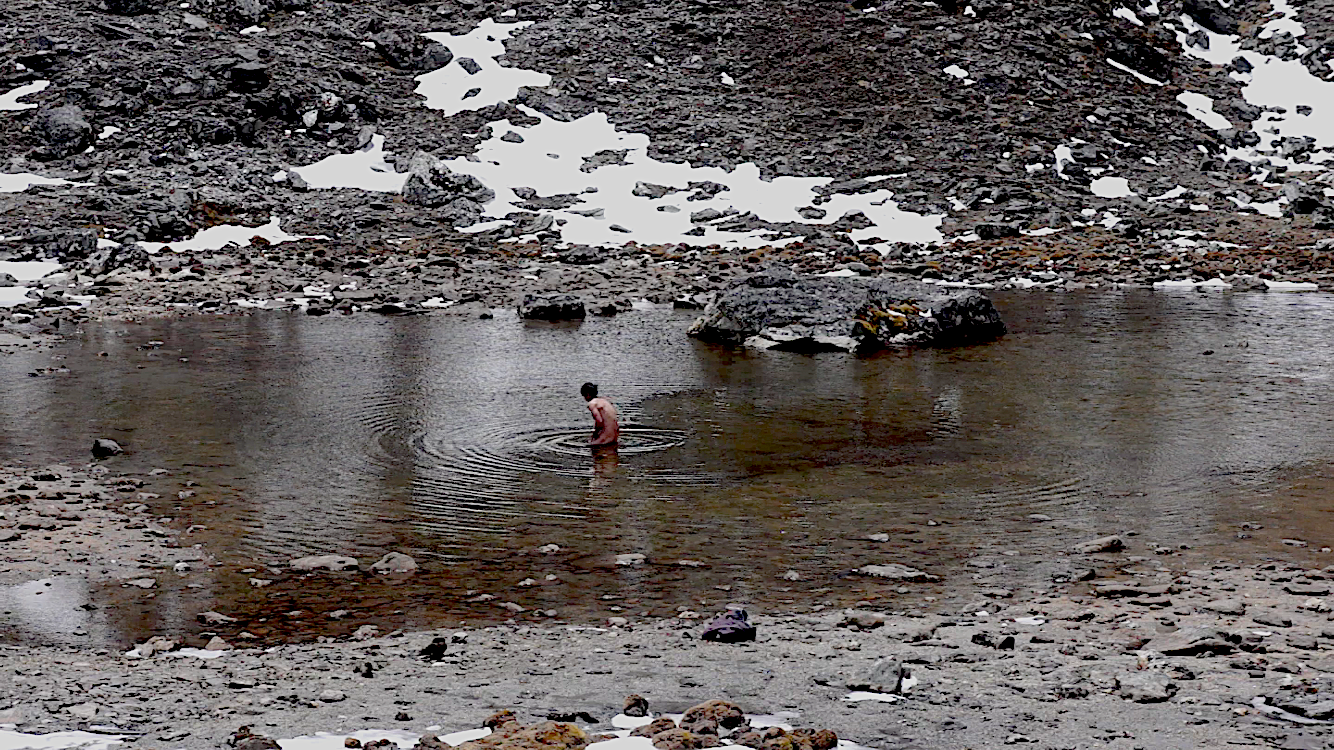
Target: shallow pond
1177	416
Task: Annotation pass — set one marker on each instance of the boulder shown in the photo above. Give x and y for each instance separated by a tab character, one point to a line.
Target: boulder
1211	15
1232	607
777	309
654	728
896	572
249	76
635	705
1145	687
777	738
214	618
548	735
708	717
325	562
552	307
732	626
459	197
105	448
1195	642
680	739
394	562
1101	544
884	676
66	131
244	739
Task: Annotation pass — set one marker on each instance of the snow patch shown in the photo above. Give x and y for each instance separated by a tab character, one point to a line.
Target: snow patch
1128	15
362	170
10	102
1273	82
28	270
1127	69
17	183
1111	187
452	89
1201	108
11	740
216	238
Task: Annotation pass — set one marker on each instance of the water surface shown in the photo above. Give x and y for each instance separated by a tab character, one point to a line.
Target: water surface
1177	416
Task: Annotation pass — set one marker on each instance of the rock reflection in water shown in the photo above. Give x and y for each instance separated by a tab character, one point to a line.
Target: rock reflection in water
451	439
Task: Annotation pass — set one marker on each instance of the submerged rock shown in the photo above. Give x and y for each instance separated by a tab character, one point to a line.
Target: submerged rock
395	562
327	562
896	572
777	309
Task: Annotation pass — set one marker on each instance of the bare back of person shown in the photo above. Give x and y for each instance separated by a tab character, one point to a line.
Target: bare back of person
606	425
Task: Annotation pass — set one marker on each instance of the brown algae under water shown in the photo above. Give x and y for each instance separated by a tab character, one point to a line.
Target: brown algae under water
749	477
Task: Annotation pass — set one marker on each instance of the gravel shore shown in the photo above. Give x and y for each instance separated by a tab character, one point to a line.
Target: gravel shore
1119	650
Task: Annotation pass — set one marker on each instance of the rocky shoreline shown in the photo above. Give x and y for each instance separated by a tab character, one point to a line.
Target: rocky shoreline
1118	650
425	277
1143	655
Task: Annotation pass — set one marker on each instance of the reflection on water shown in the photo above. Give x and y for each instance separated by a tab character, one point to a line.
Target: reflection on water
463	443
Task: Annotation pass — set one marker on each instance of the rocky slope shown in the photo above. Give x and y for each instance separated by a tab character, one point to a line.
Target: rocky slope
999	117
1147	654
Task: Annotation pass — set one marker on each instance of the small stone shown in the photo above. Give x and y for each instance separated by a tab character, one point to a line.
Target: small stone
332	696
1272	619
1101	544
326	562
635	705
884	676
896	572
394	562
632	558
1145	687
105	448
1234	607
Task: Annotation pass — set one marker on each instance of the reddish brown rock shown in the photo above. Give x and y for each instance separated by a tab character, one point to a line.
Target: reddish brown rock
776	738
680	739
549	735
499	719
657	726
707	717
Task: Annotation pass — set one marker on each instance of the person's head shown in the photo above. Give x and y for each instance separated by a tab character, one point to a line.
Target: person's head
589	391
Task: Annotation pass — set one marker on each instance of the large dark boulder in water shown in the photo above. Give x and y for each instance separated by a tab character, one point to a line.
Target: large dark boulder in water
777	309
552	307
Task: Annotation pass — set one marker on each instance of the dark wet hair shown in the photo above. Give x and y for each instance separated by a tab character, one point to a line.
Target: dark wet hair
589	390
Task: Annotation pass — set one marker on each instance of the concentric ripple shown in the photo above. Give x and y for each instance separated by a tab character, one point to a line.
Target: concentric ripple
560	451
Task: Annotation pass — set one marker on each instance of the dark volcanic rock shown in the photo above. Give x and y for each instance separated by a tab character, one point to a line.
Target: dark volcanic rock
552	307
1211	16
105	448
845	314
250	76
66	131
459	197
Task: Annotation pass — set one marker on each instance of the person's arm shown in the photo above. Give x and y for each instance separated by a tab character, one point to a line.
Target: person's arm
598	422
